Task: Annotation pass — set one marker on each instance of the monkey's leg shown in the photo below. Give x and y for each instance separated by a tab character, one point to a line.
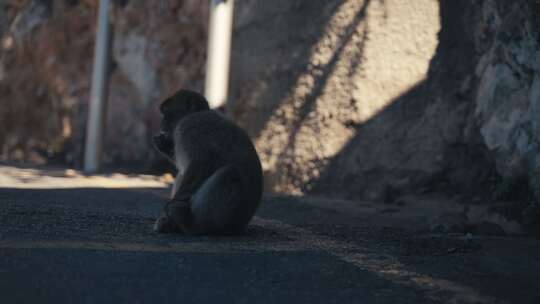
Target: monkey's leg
165	224
176	215
218	206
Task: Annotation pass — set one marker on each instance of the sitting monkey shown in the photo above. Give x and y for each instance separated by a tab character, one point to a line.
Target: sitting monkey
219	183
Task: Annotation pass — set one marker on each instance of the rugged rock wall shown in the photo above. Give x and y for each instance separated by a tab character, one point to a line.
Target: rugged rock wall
45	69
507	98
374	99
305	93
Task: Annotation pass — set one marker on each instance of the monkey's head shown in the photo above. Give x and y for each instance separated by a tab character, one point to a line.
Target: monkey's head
174	109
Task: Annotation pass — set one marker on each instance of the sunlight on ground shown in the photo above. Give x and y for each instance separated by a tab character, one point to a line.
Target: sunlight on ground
27	178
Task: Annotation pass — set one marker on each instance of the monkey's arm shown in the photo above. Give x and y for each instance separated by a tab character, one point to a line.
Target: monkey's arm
177	182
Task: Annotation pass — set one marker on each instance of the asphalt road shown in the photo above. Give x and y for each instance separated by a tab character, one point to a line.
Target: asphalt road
95	245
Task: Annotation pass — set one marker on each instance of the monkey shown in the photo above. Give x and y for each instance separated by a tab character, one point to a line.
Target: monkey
219	183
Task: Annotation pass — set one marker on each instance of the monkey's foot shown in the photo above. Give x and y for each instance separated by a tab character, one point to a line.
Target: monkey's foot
180	213
175	218
165	224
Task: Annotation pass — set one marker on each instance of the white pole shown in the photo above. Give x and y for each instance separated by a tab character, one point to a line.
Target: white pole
98	93
219	52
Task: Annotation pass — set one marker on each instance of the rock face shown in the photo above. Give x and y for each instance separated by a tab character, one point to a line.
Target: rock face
508	96
367	99
369	103
46	64
304	93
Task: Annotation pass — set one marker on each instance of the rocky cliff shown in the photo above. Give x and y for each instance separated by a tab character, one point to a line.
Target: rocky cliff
46	64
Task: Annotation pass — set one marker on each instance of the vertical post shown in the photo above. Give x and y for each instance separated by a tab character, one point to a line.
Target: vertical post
98	93
219	52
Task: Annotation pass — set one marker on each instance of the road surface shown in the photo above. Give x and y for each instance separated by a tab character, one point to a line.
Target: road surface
66	238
